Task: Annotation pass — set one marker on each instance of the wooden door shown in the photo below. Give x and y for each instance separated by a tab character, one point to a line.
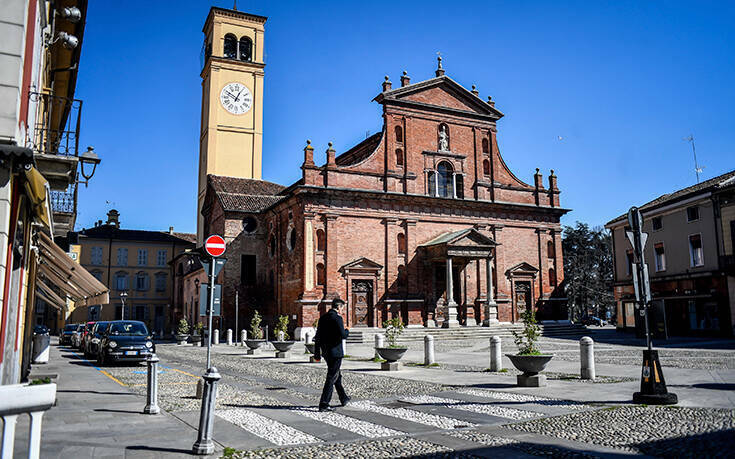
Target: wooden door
362	302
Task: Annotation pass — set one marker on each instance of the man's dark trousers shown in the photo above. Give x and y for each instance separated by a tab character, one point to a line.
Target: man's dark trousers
334	381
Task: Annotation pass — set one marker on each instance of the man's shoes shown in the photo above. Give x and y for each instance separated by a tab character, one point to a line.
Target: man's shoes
325	409
346	401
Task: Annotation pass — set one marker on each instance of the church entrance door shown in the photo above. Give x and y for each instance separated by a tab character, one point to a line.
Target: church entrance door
362	302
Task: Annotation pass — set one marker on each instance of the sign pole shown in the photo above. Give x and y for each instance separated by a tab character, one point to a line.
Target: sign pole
237	313
210	287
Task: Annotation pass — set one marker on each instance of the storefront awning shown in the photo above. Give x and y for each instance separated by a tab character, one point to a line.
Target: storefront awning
69	276
37	190
48	295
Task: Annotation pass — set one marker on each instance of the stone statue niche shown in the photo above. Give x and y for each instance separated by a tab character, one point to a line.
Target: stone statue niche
443	138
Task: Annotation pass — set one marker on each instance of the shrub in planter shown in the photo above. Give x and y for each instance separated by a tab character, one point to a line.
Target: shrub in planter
393	352
198	332
529	358
256	333
182	331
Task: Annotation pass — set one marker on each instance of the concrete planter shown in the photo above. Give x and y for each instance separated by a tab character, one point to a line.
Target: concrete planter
391	354
283	346
181	339
530	364
195	338
254	343
311	347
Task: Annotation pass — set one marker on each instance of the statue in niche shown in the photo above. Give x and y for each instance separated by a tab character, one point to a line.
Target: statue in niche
443	138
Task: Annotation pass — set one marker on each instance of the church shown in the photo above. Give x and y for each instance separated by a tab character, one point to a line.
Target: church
422	221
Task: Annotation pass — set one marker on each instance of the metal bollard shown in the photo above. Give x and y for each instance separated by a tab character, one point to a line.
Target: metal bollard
496	354
151	406
229	337
215	336
307	337
428	350
378	343
205	444
280	335
243	337
344	346
587	358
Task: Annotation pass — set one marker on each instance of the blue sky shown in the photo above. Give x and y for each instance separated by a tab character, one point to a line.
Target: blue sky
620	82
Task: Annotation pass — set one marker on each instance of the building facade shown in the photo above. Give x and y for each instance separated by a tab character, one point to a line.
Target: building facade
691	261
136	263
422	221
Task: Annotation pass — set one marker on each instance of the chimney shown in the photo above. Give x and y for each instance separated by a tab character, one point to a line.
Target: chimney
308	154
331	156
170	230
475	91
113	218
387	85
405	79
490	101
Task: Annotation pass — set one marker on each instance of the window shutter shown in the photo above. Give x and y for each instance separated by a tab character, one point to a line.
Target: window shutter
432	183
459	179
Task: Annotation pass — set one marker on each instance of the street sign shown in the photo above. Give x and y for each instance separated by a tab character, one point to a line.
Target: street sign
204	300
218	264
214	245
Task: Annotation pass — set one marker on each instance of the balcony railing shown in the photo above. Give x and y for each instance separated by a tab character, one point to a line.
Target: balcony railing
56	130
17	399
64	201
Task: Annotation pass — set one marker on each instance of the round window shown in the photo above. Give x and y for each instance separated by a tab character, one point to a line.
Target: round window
249	224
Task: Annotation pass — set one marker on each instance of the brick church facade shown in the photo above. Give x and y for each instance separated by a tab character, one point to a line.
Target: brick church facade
422	221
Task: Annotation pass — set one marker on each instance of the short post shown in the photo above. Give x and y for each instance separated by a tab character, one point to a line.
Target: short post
428	350
280	335
378	343
243	337
205	444
344	347
215	336
151	406
307	337
587	357
496	354
229	337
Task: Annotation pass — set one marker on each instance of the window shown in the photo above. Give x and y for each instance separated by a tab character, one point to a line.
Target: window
550	252
230	46
96	256
629	259
249	224
692	213
320	275
142	257
142	281
431	179
659	256
246	49
321	240
122	257
486	167
291	238
160	282
140	313
161	257
399	157
247	270
399	134
656	223
485	146
696	254
459	186
121	281
552	277
445	184
401	243
97	275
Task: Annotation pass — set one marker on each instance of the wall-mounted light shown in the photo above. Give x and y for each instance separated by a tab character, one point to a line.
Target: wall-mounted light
71	14
67	40
89	158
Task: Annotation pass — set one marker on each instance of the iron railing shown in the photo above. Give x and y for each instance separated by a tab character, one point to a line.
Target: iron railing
64	201
56	130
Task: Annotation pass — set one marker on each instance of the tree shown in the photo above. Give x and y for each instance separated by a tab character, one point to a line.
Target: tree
588	270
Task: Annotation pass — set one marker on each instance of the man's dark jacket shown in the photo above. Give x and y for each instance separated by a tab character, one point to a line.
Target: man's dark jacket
329	335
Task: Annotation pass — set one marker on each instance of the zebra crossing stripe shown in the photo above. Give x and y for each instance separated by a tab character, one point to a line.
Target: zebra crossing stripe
268	429
360	427
481	408
523	398
434	420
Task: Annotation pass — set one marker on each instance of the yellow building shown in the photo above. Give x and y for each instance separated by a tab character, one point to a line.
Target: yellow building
132	262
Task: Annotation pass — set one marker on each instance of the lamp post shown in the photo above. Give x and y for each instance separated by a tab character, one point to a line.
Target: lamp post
90	159
123	295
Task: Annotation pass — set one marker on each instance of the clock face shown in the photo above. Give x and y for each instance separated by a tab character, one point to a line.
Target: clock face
236	98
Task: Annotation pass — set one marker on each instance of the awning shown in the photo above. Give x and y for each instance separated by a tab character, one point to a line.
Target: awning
37	190
69	276
48	295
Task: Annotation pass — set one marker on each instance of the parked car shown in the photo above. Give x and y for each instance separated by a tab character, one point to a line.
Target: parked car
40	330
592	320
66	334
76	336
125	341
92	340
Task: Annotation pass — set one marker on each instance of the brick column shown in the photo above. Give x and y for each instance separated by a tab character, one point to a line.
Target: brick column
542	261
308	277
391	253
330	256
412	262
503	285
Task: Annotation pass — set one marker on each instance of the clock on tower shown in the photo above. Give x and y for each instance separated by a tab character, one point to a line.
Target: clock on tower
231	134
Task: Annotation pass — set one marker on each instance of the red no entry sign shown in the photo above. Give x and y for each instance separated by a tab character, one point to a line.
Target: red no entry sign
214	245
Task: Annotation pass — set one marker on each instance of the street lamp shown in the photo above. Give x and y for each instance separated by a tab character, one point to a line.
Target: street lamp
123	295
89	158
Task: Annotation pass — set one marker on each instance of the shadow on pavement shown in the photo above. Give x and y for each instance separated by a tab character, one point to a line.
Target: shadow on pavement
163	450
106	410
710	444
69	391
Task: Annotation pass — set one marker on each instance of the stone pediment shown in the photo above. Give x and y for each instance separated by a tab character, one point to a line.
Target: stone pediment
464	238
440	93
361	265
522	269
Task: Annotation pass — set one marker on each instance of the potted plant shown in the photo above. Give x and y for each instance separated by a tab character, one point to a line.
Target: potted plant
394	352
529	358
256	333
197	336
282	344
182	332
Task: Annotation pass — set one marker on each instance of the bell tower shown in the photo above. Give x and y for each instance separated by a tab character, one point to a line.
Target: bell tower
231	136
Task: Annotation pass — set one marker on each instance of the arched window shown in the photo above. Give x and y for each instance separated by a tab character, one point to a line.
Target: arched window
552	277
321	241
401	243
486	167
445	182
230	46
246	49
320	275
550	249
399	157
485	146
399	134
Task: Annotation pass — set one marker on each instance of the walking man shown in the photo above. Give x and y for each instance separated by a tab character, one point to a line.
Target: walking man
329	335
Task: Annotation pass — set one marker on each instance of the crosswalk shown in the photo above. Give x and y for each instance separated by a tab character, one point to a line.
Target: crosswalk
365	418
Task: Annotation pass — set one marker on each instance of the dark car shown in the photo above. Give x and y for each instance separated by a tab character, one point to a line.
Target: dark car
125	341
92	340
67	333
40	330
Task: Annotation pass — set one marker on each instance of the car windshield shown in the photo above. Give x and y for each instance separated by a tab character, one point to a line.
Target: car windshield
70	328
128	328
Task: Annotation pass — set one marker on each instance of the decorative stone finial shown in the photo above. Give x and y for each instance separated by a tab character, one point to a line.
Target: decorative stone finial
537	170
405	79
308	142
475	91
552	171
330	144
405	73
387	85
439	69
386	78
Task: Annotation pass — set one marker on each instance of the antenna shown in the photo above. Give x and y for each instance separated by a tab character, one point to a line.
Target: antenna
698	170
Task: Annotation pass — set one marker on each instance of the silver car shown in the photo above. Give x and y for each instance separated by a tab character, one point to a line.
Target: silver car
76	337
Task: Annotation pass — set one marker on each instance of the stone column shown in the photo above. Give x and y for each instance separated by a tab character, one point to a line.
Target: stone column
491	307
450	314
308	252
